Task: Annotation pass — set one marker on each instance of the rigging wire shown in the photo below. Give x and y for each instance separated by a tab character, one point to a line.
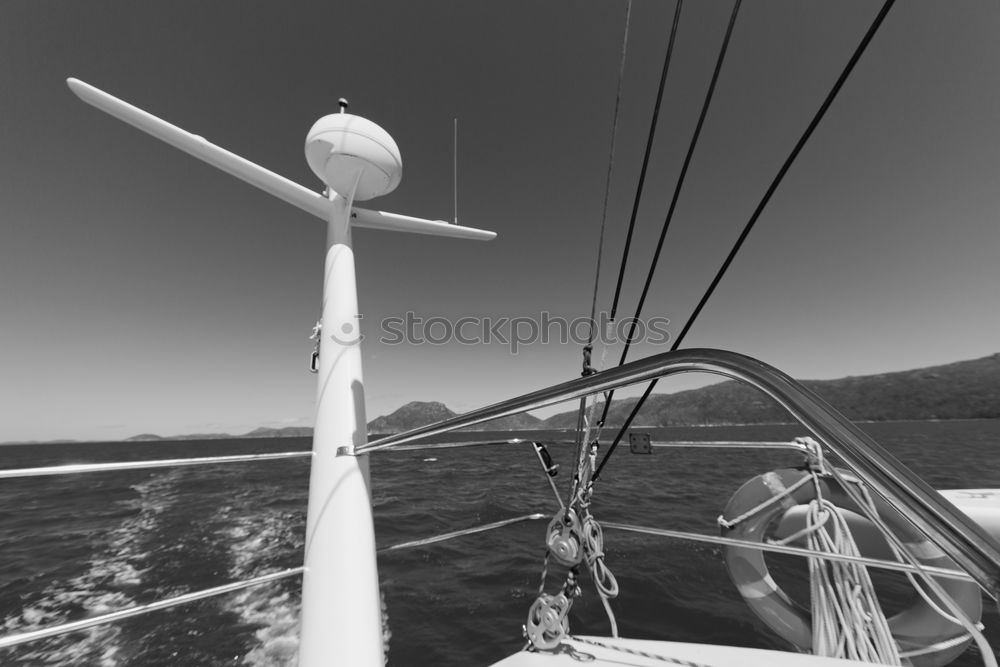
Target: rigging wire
645	157
628	237
677	191
813	124
611	165
582	423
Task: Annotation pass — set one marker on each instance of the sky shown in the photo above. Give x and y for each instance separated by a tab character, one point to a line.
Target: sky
142	291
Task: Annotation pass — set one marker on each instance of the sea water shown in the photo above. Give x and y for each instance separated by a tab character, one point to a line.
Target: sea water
76	546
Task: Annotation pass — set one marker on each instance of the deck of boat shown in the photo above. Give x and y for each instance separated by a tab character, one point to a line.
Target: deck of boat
648	653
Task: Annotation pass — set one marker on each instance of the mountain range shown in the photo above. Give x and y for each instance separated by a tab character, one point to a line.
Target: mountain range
417	413
262	432
961	390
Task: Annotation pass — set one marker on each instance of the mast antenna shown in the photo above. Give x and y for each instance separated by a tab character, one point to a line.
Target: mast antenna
455	169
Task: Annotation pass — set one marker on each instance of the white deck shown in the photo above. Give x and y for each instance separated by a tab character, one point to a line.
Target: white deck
676	653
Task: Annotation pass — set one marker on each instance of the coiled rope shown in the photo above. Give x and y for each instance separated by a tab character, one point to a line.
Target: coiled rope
848	621
604	580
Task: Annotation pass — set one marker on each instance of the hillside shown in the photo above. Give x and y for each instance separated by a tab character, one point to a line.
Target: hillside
411	415
262	432
961	390
417	413
284	432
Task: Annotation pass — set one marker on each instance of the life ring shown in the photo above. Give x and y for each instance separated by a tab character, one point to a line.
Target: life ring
916	629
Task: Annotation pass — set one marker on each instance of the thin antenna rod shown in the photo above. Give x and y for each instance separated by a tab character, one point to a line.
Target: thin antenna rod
455	169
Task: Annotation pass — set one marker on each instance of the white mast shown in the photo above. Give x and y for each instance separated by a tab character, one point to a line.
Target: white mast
340	590
341	614
357	160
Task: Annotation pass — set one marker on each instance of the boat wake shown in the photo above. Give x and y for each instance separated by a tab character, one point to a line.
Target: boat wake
272	608
111	577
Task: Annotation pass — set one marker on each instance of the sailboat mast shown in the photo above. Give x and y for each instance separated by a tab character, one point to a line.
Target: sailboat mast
340	592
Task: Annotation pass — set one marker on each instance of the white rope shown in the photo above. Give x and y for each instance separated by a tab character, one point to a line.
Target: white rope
910	576
848	621
593	537
604	579
753	511
973	628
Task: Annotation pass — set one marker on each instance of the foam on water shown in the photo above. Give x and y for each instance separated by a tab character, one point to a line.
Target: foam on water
254	537
105	586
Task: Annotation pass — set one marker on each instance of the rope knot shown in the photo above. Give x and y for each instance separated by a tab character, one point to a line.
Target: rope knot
588	369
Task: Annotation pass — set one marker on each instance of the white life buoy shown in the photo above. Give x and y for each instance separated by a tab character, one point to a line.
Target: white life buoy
918	629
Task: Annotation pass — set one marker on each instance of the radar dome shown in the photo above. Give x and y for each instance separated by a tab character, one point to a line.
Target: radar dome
342	148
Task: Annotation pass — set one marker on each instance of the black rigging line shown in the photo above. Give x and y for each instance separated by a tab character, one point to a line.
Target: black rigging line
607	182
677	191
645	157
855	57
588	368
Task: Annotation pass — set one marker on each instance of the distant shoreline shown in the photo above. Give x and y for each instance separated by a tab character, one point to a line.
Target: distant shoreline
956	392
211	437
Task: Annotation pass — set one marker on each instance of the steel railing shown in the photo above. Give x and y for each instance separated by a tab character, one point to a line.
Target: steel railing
964	541
82	468
57	629
110	617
